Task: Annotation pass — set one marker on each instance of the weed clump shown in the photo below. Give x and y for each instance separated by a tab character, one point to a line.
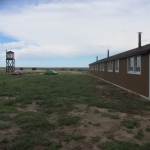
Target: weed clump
128	123
4	126
147	128
118	145
139	135
66	120
95	139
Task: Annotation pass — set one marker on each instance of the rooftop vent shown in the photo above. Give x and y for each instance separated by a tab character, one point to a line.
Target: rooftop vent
96	58
139	39
108	53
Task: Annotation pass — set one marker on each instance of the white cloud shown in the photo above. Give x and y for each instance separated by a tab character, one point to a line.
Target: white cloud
72	29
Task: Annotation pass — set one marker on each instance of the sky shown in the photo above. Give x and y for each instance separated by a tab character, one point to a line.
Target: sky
70	33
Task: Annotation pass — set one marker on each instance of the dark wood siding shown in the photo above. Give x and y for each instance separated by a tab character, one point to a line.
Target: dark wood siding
134	82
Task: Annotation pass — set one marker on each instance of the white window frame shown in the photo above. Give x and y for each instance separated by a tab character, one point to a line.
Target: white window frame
110	66
103	67
92	67
134	65
96	66
117	65
100	66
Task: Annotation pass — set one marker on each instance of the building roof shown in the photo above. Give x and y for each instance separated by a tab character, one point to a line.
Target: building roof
132	52
10	52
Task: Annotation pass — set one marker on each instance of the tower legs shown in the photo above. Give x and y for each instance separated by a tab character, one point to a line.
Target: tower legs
10	66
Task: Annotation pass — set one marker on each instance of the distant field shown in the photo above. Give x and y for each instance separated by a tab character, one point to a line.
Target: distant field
52	68
70	111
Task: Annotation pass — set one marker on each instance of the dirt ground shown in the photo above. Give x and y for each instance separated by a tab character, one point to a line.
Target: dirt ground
96	122
99	123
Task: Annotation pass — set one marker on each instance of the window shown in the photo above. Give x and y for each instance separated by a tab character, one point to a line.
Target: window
92	67
110	66
131	64
96	67
137	64
134	65
101	66
117	65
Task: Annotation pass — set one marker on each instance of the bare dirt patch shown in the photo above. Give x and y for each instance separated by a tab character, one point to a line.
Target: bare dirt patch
6	97
30	107
94	123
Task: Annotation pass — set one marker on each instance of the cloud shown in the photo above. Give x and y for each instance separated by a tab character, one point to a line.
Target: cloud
74	28
12	45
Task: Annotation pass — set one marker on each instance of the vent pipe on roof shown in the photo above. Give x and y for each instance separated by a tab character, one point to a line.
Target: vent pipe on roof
108	53
139	39
96	58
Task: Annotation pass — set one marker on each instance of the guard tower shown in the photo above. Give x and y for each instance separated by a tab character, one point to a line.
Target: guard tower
10	61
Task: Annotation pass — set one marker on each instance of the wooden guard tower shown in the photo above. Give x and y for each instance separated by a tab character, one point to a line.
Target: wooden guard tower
10	62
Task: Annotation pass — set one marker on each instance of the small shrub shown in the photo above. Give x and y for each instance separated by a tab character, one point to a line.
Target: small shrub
9	102
96	124
130	131
4	117
96	111
78	137
110	137
147	128
118	145
21	68
5	140
74	137
130	123
54	146
34	69
139	135
4	126
95	139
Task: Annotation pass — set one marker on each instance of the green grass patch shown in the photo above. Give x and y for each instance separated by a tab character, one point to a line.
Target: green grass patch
4	109
5	140
33	121
66	120
5	117
32	139
110	137
5	126
76	137
95	139
118	145
139	134
130	123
